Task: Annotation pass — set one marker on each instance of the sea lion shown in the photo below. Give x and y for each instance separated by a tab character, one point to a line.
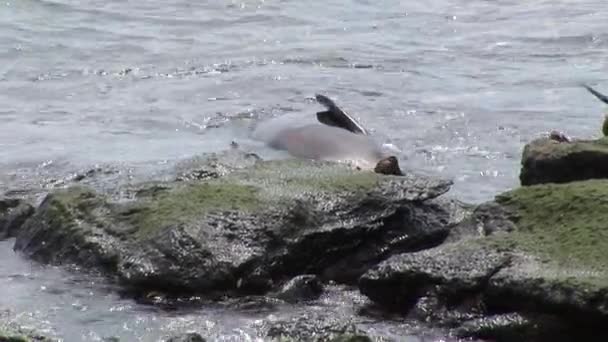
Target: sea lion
604	99
559	137
337	137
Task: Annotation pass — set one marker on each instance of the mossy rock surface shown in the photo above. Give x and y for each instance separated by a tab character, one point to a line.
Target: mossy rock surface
559	248
534	250
549	161
241	231
565	226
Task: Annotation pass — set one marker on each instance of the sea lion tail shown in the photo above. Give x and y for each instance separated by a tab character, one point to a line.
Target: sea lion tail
597	94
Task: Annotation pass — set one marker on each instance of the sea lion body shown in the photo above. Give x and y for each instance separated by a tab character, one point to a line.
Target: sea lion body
336	137
321	142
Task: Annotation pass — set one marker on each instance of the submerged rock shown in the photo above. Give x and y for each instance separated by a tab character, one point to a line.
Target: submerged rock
315	327
537	251
13	332
301	288
13	213
549	161
189	337
245	231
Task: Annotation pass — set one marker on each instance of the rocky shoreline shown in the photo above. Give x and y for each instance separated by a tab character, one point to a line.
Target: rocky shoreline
529	265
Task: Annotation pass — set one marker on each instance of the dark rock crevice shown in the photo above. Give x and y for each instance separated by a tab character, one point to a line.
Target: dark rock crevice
13	213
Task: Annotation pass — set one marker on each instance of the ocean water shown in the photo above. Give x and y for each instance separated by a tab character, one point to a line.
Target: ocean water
458	86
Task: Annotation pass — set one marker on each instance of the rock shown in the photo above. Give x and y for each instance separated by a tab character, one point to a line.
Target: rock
243	232
414	227
486	219
503	327
559	260
351	338
189	337
301	288
215	165
315	327
535	251
111	339
13	213
459	269
13	332
516	327
548	161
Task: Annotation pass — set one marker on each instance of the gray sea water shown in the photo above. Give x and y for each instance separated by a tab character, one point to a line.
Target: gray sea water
458	86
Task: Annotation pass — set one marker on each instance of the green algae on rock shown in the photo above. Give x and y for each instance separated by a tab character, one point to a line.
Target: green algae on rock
244	231
547	161
543	253
566	224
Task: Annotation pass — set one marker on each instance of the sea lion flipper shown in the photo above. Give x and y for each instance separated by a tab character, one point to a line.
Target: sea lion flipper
335	116
326	101
327	118
597	94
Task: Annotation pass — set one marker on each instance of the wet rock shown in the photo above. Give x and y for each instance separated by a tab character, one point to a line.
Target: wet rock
189	337
484	220
531	327
215	165
549	161
243	232
454	270
13	332
301	288
351	338
13	213
534	251
558	264
315	327
111	339
505	327
413	227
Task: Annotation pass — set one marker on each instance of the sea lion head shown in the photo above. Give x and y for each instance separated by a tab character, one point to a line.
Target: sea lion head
388	166
558	136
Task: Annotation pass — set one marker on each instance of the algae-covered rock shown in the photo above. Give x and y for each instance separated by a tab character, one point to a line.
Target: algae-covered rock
548	161
13	213
559	250
534	250
244	231
214	165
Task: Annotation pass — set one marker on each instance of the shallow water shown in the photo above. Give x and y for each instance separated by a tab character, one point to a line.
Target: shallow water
77	307
458	86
